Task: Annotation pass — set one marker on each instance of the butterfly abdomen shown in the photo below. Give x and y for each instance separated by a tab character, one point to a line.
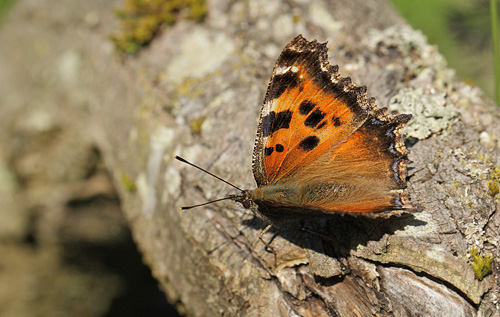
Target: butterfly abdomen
280	203
292	201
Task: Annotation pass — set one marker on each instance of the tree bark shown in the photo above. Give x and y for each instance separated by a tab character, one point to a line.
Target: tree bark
196	91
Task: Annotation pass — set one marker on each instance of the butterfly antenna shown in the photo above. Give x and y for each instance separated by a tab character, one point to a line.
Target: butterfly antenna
208	202
213	175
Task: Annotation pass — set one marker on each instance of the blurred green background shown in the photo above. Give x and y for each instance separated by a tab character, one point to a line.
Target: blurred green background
461	29
4	5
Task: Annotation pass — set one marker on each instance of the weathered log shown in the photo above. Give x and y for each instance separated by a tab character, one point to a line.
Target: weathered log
196	91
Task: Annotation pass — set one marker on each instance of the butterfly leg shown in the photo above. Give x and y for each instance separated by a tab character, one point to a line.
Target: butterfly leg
261	237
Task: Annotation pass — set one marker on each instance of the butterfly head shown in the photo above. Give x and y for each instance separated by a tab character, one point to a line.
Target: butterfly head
245	199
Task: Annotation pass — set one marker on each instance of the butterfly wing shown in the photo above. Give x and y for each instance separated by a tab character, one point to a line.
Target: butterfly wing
319	133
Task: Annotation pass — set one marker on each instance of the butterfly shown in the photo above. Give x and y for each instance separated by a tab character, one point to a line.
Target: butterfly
322	146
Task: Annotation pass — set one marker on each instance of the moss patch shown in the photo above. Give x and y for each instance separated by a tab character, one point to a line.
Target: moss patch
128	183
494	182
196	126
481	265
493	188
141	19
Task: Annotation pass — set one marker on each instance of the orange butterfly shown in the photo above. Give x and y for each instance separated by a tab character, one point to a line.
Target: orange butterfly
322	146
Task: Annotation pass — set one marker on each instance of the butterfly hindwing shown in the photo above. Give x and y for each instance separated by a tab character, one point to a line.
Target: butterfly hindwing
319	133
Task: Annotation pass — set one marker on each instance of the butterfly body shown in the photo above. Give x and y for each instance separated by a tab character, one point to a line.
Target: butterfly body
276	204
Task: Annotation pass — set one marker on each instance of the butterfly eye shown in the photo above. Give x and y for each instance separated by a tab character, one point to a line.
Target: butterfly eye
247	204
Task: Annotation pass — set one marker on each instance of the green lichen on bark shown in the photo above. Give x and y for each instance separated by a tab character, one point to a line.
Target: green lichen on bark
141	19
128	183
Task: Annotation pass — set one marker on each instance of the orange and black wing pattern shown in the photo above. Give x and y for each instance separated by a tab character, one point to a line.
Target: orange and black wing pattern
320	133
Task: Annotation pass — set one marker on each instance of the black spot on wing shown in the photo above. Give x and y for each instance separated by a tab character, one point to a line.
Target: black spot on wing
282	121
306	106
279	90
336	121
285	81
268	151
276	121
267	122
309	143
314	118
279	148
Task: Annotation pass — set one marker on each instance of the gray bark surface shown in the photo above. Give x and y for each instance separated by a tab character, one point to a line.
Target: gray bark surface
63	88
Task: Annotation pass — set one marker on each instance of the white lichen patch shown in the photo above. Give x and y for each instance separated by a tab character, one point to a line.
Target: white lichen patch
172	180
476	165
474	198
257	9
39	120
222	99
191	153
402	37
431	113
201	53
283	25
487	140
466	96
161	139
411	230
69	66
436	254
474	230
323	19
421	61
474	233
146	193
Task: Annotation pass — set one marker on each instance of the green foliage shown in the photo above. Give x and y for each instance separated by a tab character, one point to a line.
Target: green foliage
4	7
496	51
141	19
462	31
481	265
